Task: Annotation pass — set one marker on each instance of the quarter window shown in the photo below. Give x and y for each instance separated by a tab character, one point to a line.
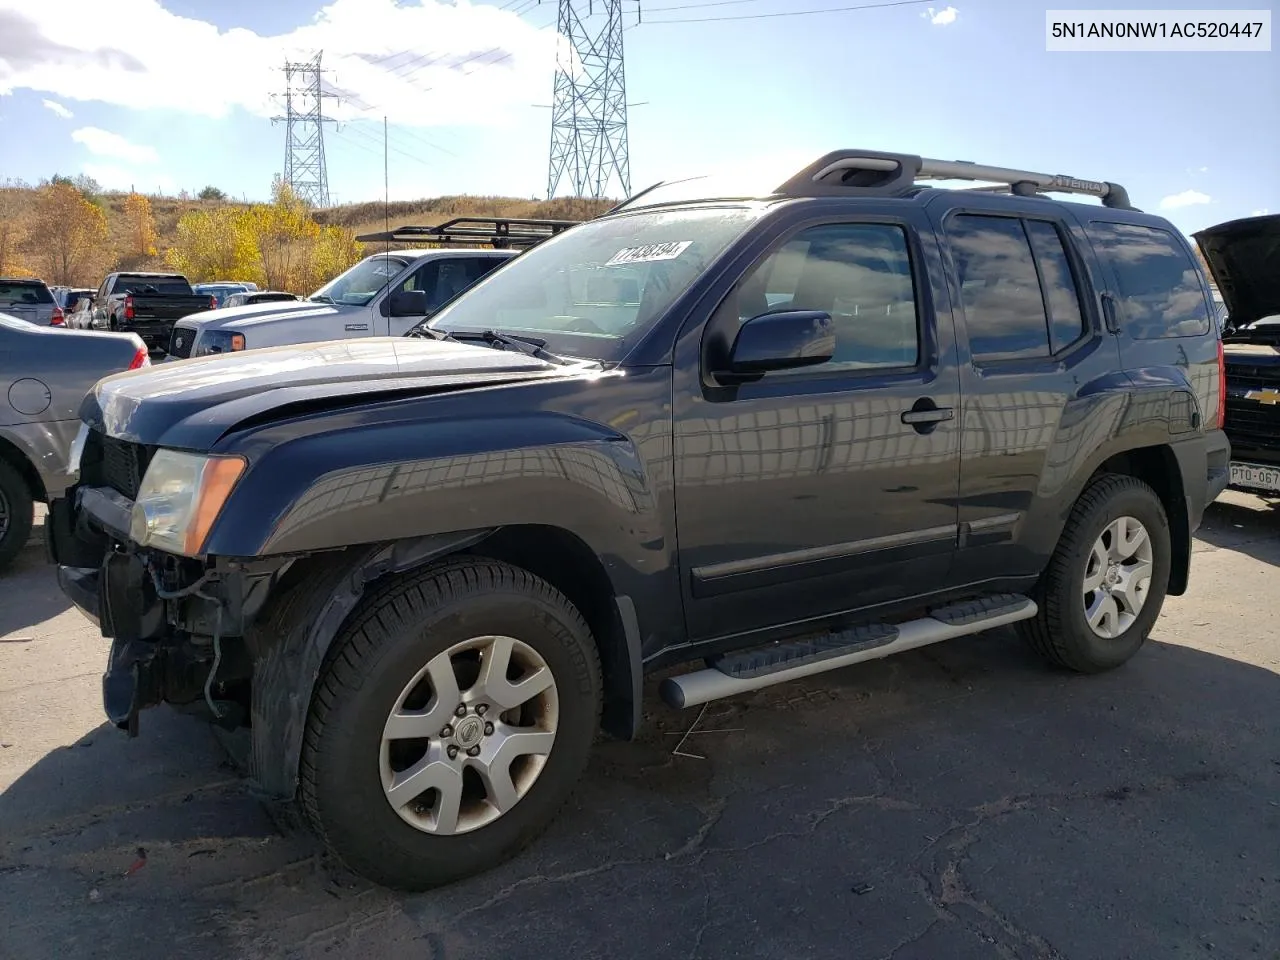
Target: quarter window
860	274
1157	282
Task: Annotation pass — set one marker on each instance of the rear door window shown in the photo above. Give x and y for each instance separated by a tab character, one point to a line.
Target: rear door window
1017	287
1157	284
1004	312
152	285
25	293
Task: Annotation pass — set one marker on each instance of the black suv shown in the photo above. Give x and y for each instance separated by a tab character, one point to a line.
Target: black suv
769	435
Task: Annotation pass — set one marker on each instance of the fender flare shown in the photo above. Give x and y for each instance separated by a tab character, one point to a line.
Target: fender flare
291	638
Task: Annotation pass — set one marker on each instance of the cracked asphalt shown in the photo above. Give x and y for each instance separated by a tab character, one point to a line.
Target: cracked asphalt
957	803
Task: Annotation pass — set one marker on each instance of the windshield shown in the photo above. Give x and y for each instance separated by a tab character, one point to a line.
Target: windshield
362	282
598	286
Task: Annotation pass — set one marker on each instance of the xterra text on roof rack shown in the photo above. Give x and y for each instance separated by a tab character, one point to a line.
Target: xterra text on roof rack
847	417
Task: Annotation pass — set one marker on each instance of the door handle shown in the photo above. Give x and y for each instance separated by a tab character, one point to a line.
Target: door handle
933	415
1109	313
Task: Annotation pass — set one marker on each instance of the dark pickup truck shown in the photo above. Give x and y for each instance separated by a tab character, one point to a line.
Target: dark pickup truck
761	438
148	304
1244	258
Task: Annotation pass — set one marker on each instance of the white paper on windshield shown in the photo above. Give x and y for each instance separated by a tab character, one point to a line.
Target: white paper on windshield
649	253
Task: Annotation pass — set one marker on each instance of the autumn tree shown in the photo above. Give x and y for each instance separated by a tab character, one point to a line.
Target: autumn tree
285	235
215	244
276	245
72	235
142	225
12	227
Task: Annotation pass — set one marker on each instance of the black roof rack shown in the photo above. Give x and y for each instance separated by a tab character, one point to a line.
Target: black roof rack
873	173
498	232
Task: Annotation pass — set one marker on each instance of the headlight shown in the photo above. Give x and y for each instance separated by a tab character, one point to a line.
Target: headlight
217	341
180	497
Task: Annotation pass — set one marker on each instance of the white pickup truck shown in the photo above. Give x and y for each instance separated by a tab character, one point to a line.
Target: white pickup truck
385	294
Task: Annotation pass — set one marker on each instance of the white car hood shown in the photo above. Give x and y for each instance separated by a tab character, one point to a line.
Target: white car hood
247	317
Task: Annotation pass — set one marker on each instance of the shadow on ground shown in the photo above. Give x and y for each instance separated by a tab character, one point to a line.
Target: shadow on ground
959	802
1245	524
26	598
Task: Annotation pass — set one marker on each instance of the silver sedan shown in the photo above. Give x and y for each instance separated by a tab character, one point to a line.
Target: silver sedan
45	373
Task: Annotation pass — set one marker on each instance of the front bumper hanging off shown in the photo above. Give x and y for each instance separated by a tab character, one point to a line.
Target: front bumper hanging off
177	645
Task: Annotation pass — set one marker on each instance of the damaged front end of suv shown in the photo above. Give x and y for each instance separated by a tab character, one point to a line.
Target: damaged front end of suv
176	622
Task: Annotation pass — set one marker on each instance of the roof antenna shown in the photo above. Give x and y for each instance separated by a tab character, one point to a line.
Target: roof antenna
386	184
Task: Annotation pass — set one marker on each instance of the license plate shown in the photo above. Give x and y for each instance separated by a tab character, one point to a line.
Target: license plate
1255	476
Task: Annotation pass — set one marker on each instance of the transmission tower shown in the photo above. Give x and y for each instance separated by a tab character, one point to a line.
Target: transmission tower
589	112
304	119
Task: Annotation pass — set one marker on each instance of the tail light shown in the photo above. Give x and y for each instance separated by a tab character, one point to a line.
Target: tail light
1222	386
57	319
140	359
128	307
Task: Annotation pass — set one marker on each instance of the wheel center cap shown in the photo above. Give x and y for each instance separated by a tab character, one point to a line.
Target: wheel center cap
468	731
1113	575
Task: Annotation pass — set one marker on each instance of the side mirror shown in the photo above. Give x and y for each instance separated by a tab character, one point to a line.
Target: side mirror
408	303
779	341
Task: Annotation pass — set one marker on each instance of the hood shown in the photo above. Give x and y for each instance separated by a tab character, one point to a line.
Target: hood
190	404
234	317
1244	258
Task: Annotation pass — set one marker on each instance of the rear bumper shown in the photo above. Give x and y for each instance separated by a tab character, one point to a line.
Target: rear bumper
1217	464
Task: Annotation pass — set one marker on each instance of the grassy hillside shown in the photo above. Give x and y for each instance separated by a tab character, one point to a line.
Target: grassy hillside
25	245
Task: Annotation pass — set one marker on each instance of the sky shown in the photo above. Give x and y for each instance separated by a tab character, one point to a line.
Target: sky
165	95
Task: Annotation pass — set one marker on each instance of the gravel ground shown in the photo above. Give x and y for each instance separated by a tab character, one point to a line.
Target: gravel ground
959	802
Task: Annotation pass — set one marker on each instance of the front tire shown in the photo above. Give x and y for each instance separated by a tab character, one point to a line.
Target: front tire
17	513
452	719
1104	586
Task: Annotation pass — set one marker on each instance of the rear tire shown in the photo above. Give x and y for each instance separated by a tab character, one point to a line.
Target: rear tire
18	512
428	650
1117	531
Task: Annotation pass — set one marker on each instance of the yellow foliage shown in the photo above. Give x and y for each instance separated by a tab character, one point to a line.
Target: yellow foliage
215	244
71	233
277	245
12	231
285	235
333	251
142	225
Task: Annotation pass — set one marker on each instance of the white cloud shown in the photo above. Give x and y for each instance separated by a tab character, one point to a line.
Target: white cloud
940	18
1187	198
477	62
104	143
57	108
1260	213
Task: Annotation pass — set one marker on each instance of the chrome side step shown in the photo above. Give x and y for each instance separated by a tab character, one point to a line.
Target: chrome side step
777	663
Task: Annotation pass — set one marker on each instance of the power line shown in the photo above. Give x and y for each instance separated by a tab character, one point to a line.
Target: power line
691	6
790	13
